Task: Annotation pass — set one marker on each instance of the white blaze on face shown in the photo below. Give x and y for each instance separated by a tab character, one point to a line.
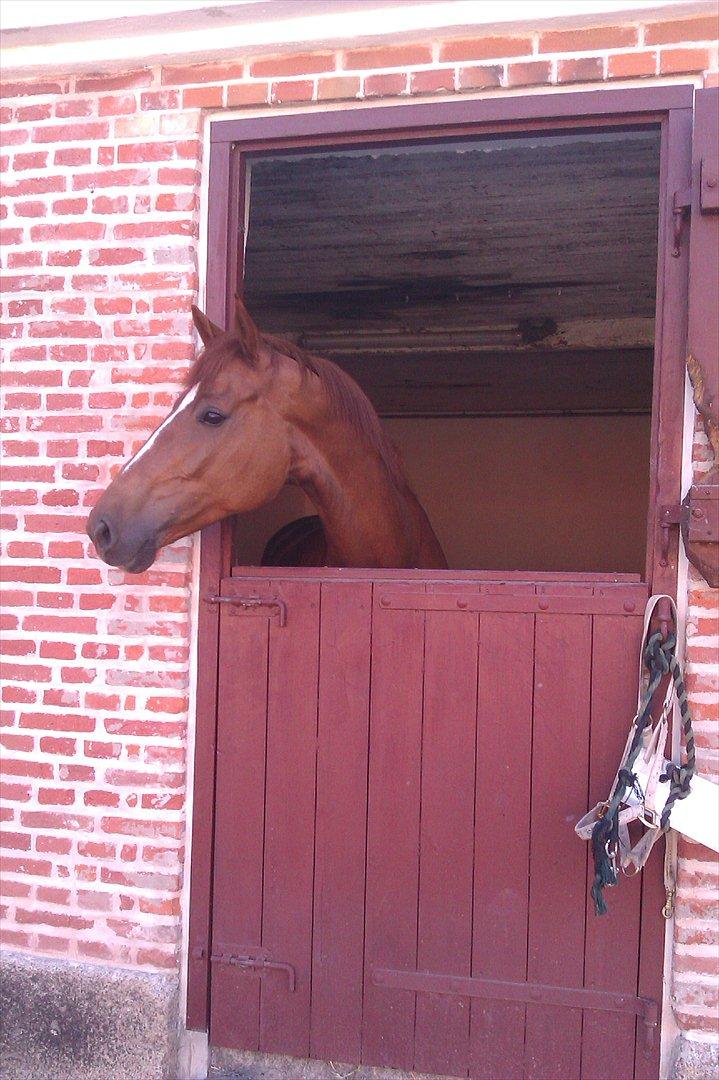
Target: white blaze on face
186	401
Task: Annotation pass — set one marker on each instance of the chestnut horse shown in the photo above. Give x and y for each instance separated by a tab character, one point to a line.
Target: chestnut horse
258	413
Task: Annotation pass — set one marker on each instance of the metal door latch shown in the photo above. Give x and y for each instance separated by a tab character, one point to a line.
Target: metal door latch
257	963
250	602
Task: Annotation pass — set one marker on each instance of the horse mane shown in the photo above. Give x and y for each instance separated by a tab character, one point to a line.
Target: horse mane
348	401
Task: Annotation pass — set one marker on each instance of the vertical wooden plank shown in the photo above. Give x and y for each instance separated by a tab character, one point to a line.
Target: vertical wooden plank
393	828
612	943
558	862
501	862
341	821
239	817
444	943
289	819
202	793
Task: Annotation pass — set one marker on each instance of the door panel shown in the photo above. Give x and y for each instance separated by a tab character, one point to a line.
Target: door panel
400	767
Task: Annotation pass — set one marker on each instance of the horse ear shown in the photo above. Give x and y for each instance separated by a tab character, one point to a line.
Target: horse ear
246	330
204	326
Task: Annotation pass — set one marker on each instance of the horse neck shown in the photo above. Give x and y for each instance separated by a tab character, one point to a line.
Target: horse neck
368	514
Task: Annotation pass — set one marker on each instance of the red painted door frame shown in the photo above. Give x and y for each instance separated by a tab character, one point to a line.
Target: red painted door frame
670	107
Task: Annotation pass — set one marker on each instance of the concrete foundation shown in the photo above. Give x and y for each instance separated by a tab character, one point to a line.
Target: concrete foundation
695	1060
244	1065
64	1021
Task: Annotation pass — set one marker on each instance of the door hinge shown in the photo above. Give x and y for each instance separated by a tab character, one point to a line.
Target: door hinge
708	187
681	209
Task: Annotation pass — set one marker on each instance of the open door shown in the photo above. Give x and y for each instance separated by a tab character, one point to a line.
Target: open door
700	520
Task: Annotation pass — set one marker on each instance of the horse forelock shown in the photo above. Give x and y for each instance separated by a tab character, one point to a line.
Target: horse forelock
347	401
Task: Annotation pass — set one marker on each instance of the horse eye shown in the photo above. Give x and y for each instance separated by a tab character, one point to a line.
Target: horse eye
212	417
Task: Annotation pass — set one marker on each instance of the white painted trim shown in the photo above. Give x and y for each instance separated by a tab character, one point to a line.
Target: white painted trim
243	28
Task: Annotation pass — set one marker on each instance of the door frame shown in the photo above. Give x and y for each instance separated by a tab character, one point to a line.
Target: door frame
671	107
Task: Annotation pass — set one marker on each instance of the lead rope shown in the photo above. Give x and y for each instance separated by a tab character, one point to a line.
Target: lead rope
659	658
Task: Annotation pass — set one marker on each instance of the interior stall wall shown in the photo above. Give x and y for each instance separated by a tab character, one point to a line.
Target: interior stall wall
508	493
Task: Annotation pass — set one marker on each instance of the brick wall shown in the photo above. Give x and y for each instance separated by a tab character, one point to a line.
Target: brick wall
101	180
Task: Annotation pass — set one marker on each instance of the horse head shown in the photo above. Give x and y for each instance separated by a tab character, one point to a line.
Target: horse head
223	449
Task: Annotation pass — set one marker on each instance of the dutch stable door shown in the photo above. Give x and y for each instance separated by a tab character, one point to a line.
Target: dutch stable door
400	765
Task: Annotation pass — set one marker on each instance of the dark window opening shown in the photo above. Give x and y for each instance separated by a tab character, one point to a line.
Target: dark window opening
495	298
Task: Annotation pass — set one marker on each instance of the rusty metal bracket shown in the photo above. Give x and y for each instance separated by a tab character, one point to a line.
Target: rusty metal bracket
257	963
681	209
698	518
708	188
249	603
647	1009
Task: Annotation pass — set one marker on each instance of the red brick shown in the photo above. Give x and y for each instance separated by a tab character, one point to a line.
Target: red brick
530	73
69	206
582	69
56	722
146	151
711	79
19	647
297	64
27	113
73	230
128	80
18	695
385	85
51	745
631	65
101	798
30	209
27	89
389	56
479	78
431	82
702	28
677	61
111	178
15	841
588	38
117	105
37	160
56	796
17	767
94	650
15	792
485	48
119	256
63	258
138	827
53	895
54	133
238	95
74	107
160	99
202	73
73	155
51	918
202	97
57	650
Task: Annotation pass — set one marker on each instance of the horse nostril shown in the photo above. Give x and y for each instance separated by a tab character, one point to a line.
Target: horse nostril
103	536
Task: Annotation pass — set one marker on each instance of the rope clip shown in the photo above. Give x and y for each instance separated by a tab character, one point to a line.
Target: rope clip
668	909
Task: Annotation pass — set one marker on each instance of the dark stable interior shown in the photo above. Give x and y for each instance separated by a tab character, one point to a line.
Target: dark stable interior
495	298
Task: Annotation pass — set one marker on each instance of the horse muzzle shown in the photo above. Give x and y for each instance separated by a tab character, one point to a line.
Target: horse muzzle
132	548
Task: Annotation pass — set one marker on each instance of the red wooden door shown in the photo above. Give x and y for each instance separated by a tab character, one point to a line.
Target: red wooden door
396	877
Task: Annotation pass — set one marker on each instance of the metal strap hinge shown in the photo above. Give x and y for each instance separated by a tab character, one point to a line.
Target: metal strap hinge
681	209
